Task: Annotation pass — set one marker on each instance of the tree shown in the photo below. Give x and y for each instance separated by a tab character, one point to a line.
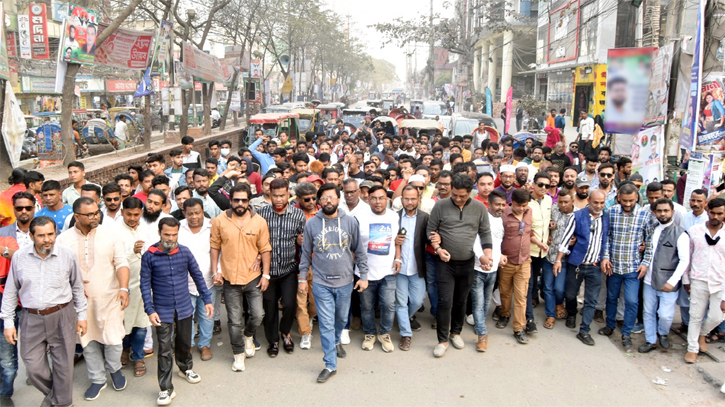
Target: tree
66	114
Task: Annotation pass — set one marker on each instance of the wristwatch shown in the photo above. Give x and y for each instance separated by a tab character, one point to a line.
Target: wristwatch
124	289
266	276
6	253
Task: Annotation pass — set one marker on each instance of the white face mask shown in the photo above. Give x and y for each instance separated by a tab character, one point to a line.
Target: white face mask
226	151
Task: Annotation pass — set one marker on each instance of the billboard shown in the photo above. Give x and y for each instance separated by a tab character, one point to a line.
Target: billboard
628	78
79	37
647	152
125	49
563	36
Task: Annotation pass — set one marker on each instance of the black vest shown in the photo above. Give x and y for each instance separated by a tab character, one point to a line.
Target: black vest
666	257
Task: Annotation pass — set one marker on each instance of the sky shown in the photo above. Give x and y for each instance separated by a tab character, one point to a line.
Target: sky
368	12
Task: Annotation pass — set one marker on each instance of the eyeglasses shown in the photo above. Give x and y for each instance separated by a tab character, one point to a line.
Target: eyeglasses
91	214
309	199
351	192
542	185
238	200
606	175
116	199
24	208
326	198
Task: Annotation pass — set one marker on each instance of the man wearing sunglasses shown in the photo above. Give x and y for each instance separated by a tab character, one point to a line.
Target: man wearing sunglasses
606	181
112	198
540	208
24	209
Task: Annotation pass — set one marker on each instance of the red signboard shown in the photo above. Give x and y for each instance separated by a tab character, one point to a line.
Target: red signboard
38	31
12	45
113	85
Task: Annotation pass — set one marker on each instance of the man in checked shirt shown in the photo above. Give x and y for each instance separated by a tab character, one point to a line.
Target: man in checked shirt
621	259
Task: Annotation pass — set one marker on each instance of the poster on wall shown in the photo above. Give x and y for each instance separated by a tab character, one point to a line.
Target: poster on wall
692	107
124	49
695	175
659	89
712	173
256	68
79	37
628	78
711	123
647	153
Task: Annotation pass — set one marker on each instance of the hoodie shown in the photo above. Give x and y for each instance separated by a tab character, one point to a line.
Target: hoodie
333	241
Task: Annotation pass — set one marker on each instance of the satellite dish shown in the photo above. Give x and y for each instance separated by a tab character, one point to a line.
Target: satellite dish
284	61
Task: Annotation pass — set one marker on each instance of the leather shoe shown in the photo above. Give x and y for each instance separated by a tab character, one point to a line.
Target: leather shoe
404	343
521	337
571	321
287	344
340	351
273	350
205	353
691	357
647	347
626	341
585	338
664	342
606	331
325	375
502	322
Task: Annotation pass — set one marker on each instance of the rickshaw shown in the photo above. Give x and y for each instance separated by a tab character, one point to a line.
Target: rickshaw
413	127
272	124
465	123
355	117
329	111
389	124
309	119
416	103
134	132
99	137
30	144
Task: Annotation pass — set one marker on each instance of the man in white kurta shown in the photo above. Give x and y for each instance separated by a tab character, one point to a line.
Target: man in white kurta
133	235
105	276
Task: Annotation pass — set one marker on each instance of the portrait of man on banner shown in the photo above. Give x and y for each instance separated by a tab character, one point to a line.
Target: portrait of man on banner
79	36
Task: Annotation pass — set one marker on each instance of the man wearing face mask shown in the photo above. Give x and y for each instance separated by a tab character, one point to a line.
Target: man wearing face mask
670	258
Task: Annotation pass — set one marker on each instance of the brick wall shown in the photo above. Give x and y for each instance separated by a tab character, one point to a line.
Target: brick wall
107	173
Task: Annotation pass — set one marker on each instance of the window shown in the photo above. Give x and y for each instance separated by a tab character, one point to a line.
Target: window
626	25
588	30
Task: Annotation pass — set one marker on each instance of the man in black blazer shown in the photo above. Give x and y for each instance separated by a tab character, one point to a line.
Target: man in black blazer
410	281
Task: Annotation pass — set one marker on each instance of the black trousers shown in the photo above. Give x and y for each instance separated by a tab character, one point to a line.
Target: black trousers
454	280
285	289
181	349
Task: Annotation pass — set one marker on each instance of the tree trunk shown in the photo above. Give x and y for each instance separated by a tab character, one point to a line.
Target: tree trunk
206	93
147	123
66	116
184	121
223	123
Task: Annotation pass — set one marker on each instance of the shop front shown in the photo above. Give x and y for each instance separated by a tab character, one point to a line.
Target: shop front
120	92
590	85
92	90
560	90
37	94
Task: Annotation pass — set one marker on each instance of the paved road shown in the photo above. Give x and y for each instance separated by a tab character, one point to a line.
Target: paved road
554	369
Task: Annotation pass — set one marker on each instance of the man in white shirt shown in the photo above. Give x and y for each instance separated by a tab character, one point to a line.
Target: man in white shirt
195	233
377	229
670	259
586	133
482	288
121	129
352	204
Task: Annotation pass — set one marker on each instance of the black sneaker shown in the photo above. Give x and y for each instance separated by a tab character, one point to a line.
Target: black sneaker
496	314
521	337
585	338
340	351
415	325
626	341
571	321
664	342
606	331
325	375
531	327
502	322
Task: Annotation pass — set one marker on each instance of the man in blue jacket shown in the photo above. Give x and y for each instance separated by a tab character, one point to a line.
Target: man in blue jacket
165	270
590	227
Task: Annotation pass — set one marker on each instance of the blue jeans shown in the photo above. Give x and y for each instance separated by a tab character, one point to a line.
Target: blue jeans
333	305
631	300
384	291
206	324
665	311
553	287
431	285
135	341
481	293
8	362
409	296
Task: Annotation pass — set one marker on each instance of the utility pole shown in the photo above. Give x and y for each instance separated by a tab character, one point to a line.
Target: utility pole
431	67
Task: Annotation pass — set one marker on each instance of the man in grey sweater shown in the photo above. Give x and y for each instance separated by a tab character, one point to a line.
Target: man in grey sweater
334	239
454	223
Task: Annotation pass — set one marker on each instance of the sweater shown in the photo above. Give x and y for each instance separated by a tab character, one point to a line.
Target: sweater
458	227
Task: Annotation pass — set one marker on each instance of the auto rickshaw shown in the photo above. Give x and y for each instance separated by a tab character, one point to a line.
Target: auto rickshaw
277	109
309	119
272	124
388	123
355	117
413	127
388	105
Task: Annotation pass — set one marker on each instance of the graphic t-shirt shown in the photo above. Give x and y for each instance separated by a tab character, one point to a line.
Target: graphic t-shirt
57	216
377	233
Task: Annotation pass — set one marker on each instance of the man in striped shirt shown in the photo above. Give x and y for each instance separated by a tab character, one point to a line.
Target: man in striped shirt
590	226
621	259
286	224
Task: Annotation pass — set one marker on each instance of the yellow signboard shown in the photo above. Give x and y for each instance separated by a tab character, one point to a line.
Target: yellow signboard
287	86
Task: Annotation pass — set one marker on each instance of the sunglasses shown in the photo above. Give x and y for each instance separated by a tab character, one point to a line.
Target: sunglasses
542	185
606	175
24	208
238	200
521	228
112	199
310	199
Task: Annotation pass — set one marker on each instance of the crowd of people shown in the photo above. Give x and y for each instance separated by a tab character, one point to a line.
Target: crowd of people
349	232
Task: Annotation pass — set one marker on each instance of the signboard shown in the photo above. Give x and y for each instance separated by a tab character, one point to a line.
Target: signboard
256	68
236	104
695	175
121	86
87	85
563	32
287	86
38	31
628	76
24	36
489	102
692	108
202	65
183	78
162	50
659	87
33	84
11	44
62	10
125	49
79	37
13	126
647	152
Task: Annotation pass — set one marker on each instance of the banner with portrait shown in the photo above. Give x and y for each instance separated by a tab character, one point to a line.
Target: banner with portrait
711	123
659	89
162	49
628	78
78	42
183	79
692	107
124	49
647	152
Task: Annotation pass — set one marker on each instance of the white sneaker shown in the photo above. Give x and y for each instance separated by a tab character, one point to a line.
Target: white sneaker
190	376
306	342
238	365
470	321
165	398
345	337
249	346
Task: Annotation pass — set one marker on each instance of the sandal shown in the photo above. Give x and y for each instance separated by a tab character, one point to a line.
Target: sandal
714	337
681	330
549	324
139	368
560	312
124	357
